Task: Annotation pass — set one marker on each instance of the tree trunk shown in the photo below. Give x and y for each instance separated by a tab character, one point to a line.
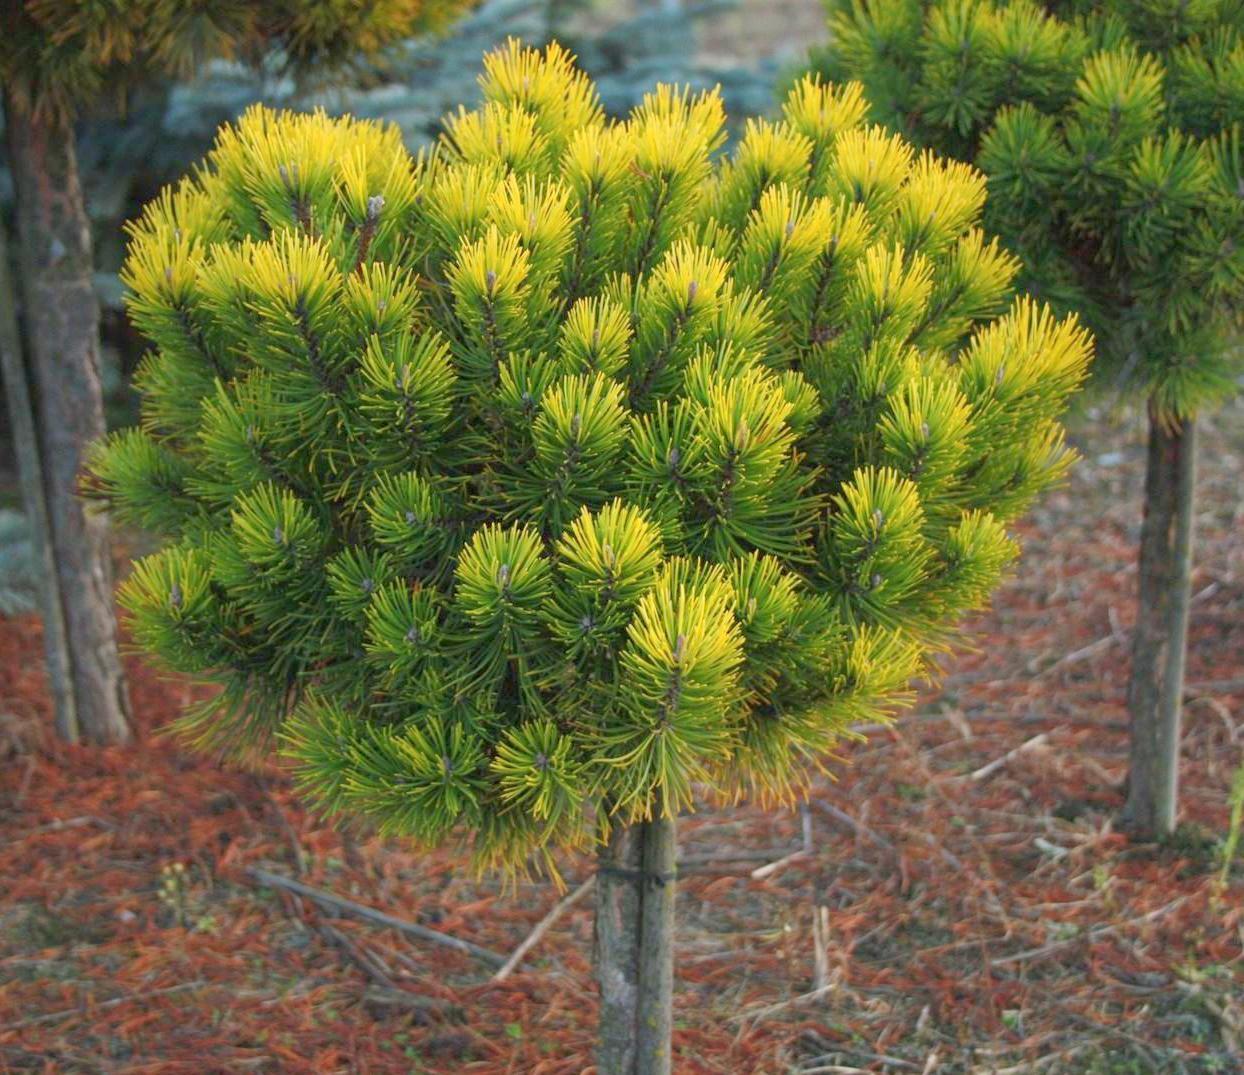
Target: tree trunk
62	334
1155	691
635	890
34	499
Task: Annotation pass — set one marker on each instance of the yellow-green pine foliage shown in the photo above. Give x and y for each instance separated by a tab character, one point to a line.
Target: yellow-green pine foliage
572	462
57	56
1112	133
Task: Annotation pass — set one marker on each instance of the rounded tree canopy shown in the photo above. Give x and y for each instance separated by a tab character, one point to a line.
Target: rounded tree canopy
574	461
58	55
1112	133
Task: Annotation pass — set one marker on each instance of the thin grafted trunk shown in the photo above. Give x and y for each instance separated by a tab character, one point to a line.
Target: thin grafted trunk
635	891
62	333
656	949
1155	690
618	925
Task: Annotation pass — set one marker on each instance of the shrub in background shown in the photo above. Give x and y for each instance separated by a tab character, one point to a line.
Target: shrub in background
526	488
1112	134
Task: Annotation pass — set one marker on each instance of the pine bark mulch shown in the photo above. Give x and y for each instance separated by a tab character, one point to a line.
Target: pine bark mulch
957	900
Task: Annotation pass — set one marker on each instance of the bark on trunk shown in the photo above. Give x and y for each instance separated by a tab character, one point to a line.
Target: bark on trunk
656	949
1155	691
34	499
618	924
62	333
635	948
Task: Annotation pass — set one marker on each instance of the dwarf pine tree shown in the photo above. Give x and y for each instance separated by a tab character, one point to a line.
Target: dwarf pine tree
59	58
1112	133
526	490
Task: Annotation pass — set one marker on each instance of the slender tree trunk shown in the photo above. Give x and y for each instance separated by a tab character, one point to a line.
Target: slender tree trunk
62	334
635	891
1155	692
34	498
656	948
619	906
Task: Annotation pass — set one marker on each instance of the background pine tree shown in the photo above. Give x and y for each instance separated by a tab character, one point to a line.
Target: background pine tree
57	59
1112	134
523	489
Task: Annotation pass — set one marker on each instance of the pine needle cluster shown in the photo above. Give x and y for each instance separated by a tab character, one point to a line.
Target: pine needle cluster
572	461
57	56
1112	133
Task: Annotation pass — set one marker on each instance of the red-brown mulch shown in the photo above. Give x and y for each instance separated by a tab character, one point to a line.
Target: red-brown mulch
988	923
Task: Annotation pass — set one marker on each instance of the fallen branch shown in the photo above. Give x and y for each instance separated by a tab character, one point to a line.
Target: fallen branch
357	955
717	858
1095	934
411	929
822	1062
857	827
1034	1065
52	1017
385	993
763	1010
834	1069
61	826
820	945
770	868
542	927
1224	686
986	771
